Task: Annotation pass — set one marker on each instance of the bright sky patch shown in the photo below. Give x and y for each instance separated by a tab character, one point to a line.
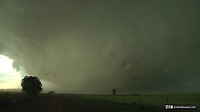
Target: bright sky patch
9	77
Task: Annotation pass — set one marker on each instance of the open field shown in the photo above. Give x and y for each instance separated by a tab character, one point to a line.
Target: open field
12	102
157	101
8	99
153	99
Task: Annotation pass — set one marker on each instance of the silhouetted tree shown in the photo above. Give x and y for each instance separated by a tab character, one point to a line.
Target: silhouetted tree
31	85
51	92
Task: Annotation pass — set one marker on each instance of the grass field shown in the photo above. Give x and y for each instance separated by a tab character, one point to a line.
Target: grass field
117	103
157	100
153	99
12	98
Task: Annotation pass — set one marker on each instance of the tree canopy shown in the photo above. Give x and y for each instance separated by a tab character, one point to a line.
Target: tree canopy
31	85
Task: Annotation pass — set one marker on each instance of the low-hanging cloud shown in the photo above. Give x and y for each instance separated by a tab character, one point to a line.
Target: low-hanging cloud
94	46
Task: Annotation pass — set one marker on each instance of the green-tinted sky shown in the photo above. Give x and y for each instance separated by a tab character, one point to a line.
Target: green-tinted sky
96	45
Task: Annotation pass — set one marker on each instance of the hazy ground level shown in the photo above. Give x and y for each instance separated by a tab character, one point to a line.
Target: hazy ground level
55	103
153	99
93	102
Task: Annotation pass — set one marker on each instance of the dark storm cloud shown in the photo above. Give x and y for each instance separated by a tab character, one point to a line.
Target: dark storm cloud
94	46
